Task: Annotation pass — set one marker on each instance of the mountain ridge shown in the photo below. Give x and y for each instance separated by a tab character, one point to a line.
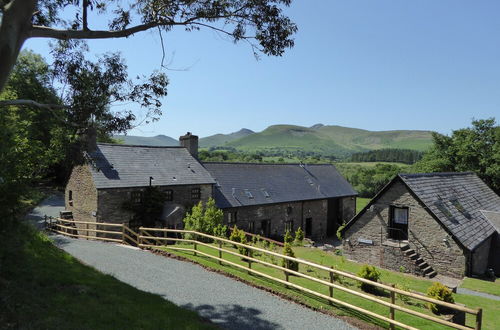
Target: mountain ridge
339	141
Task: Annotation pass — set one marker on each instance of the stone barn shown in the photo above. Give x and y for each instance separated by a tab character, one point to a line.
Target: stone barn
115	174
427	224
260	198
269	199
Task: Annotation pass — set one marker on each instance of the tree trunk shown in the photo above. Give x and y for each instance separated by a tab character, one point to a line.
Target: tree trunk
14	28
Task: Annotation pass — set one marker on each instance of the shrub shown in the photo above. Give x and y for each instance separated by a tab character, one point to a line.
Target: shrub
339	231
204	218
288	237
299	236
220	231
239	236
289	264
369	273
440	292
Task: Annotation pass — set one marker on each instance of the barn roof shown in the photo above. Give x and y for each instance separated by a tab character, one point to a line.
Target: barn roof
243	184
120	166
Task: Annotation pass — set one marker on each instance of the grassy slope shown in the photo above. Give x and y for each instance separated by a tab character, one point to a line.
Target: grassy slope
221	139
361	203
482	286
490	308
42	287
331	139
159	140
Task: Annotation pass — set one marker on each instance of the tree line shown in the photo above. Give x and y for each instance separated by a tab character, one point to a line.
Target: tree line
406	156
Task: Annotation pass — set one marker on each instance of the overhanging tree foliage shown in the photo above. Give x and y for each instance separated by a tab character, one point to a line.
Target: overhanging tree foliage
475	149
261	23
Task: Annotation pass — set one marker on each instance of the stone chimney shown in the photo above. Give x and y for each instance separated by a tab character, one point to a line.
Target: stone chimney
190	142
91	139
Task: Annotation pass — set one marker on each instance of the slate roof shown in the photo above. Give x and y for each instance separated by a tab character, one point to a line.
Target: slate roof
494	218
243	184
120	166
457	200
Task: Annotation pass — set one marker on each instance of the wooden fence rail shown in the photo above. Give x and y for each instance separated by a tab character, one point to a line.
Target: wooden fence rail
392	290
145	239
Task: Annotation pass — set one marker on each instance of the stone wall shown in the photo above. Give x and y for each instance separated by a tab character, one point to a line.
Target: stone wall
111	201
426	236
293	213
84	197
348	208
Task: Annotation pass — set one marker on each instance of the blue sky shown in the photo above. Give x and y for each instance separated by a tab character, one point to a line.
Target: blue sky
376	65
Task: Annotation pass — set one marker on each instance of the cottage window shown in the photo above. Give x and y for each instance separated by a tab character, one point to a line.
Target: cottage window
231	217
169	195
398	223
136	197
289	210
70	195
195	193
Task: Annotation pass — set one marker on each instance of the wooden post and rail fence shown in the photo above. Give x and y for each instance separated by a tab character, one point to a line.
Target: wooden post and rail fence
146	239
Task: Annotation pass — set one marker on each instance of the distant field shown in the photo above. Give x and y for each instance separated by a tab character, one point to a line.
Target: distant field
361	203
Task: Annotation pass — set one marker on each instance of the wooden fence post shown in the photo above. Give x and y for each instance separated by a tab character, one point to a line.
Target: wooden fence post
393	301
479	318
139	238
220	252
330	289
249	254
195	248
123	234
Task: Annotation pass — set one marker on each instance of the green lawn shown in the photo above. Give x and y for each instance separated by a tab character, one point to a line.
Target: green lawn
361	203
328	259
482	285
42	287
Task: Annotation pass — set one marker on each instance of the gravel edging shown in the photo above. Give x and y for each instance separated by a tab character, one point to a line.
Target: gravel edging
348	319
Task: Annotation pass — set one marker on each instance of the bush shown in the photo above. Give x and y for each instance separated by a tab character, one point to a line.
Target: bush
239	236
339	231
440	292
220	231
204	218
288	237
289	264
299	236
369	273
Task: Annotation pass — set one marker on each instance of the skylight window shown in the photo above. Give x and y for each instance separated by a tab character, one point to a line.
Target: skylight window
266	194
248	194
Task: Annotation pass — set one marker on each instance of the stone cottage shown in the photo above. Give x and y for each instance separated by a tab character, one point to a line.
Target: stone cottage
428	224
269	199
114	174
261	198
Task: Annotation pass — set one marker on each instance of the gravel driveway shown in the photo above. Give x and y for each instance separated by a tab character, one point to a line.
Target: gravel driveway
226	302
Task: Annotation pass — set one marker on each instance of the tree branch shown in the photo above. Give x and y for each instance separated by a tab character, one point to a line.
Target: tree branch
47	32
32	103
85	4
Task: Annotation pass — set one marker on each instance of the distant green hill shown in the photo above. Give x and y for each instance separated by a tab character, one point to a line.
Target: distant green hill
334	140
221	139
159	140
321	139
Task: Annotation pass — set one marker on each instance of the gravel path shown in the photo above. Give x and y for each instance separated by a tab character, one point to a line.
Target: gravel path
477	293
226	302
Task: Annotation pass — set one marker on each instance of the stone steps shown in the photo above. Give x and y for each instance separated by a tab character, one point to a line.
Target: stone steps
426	269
